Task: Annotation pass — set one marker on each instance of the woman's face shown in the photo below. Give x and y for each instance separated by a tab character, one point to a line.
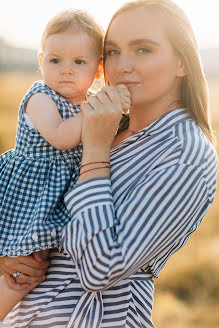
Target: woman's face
139	55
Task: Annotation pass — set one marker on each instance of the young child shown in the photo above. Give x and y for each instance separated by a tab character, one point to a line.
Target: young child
35	175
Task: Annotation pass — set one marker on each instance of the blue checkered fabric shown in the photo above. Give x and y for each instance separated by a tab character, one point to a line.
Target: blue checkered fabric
33	179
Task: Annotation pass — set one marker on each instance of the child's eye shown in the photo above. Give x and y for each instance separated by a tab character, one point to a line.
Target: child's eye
79	62
143	50
55	60
112	52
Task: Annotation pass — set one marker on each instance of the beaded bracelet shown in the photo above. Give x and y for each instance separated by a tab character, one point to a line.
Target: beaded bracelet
95	163
96	168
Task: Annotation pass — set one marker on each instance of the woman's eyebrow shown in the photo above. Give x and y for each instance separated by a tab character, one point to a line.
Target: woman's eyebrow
138	41
110	43
134	42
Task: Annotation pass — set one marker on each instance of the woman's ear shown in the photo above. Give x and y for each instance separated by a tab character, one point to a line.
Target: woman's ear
99	72
40	57
181	69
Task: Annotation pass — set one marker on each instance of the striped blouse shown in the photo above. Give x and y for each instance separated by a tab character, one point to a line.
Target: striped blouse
124	229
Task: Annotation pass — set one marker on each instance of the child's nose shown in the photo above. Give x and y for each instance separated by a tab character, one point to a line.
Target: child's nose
67	69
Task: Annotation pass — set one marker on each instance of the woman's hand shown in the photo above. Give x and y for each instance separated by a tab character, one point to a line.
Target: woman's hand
102	115
32	268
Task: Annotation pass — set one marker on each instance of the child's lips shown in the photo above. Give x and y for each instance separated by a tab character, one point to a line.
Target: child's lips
70	82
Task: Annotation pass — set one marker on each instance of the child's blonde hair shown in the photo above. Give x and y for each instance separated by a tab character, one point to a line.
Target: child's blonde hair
74	19
194	90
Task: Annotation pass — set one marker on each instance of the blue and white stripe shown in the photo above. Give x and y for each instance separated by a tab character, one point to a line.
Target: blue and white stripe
124	229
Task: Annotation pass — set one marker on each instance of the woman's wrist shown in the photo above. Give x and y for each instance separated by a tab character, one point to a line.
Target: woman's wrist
95	154
95	164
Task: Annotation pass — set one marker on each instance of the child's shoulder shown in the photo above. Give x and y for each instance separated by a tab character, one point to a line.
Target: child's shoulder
41	87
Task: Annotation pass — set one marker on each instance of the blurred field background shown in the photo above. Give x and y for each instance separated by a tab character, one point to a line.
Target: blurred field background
187	292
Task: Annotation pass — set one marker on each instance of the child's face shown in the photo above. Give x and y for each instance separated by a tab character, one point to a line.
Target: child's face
69	64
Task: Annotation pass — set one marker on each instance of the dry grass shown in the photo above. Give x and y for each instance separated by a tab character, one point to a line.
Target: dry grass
187	292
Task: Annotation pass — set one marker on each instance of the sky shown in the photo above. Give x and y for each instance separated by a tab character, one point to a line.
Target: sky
22	21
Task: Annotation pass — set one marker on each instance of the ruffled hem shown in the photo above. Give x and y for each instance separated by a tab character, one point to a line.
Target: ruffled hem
36	239
29	252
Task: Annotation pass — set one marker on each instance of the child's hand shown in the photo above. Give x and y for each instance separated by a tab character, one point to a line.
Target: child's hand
124	96
41	255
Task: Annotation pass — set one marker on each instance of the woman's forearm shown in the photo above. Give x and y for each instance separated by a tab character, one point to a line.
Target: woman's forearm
99	237
8	298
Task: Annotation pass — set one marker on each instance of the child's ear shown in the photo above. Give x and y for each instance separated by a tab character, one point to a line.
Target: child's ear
40	57
99	72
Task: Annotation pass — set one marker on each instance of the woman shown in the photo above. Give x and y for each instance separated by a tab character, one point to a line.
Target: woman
130	216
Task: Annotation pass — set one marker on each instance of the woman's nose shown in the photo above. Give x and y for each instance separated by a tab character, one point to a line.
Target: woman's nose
125	63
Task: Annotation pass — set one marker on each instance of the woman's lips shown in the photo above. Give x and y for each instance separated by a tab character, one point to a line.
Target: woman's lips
129	84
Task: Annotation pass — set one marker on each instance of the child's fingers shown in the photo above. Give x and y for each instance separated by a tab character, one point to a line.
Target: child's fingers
125	106
41	255
125	103
124	96
37	256
31	262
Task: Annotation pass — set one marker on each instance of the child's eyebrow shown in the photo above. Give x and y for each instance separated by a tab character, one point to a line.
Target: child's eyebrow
53	54
59	55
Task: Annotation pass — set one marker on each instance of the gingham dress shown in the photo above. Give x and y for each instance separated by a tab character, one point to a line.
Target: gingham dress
33	178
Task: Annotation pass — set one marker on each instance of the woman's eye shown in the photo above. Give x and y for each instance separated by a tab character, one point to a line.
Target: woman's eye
143	50
79	62
55	60
112	52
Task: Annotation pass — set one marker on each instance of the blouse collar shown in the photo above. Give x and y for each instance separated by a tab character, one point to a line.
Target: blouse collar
164	122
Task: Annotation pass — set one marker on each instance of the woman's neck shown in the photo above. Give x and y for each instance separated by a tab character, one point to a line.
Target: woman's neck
140	117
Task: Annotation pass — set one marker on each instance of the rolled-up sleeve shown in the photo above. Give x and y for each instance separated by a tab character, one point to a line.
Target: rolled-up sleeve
108	240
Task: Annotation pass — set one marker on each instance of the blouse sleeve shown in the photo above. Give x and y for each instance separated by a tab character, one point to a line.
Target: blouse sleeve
109	242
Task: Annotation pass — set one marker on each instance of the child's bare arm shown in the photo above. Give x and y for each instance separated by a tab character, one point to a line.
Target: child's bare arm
9	297
46	119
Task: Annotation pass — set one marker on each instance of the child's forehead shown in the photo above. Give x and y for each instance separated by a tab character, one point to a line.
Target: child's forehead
70	37
71	43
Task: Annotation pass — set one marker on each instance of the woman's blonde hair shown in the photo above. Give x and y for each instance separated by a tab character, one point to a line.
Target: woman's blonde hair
194	89
74	19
